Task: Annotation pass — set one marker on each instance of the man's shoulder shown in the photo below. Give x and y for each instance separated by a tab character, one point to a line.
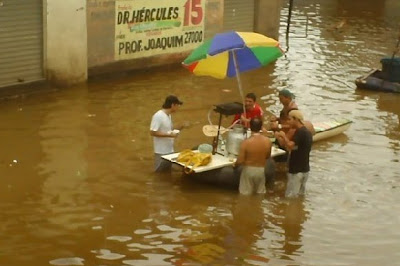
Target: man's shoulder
257	109
293	105
303	131
159	113
259	139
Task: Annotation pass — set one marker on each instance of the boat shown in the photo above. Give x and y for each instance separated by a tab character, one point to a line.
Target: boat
324	130
375	81
220	170
386	80
330	128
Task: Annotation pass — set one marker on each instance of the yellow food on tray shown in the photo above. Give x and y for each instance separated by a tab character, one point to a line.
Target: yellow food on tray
185	156
193	159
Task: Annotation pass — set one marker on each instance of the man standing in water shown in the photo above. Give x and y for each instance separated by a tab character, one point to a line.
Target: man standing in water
163	132
253	154
299	148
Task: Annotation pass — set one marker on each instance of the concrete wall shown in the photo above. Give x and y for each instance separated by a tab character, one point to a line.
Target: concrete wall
101	38
267	16
65	42
79	37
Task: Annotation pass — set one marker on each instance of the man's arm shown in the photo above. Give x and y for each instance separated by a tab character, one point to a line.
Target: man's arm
236	118
290	144
269	147
155	125
260	112
285	141
163	134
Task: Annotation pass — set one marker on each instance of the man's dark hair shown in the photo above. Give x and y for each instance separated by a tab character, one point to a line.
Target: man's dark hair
255	124
251	96
171	99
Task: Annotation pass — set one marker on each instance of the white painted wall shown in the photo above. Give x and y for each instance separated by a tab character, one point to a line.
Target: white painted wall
66	42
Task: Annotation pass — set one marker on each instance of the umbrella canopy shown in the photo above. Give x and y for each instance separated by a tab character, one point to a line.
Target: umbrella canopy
227	54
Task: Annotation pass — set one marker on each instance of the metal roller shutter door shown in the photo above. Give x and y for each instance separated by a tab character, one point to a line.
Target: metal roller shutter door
239	15
21	41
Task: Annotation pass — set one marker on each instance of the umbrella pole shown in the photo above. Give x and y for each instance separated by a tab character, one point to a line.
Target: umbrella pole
238	80
216	139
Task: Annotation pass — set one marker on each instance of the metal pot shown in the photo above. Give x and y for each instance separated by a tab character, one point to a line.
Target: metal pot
235	138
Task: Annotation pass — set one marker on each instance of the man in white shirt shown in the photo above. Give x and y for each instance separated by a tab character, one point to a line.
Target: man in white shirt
163	132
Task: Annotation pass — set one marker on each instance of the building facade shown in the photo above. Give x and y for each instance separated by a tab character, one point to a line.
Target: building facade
64	42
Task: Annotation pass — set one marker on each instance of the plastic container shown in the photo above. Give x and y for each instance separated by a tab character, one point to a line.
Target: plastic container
391	68
235	138
205	148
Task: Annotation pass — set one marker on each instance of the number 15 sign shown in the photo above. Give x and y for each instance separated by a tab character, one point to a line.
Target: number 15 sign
146	28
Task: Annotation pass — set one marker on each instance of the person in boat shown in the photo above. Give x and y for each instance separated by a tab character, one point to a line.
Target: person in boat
280	125
299	148
253	153
286	98
253	110
163	132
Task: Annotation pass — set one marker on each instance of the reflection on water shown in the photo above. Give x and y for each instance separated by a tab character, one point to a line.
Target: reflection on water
77	186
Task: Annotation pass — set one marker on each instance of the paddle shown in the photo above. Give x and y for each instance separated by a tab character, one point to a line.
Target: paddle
212	130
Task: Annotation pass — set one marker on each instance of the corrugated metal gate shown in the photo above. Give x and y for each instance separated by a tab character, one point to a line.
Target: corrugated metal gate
21	41
239	15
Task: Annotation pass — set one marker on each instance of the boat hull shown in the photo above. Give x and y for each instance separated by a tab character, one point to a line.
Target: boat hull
375	81
229	177
325	130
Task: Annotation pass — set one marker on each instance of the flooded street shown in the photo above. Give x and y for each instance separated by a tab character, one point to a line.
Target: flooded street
77	186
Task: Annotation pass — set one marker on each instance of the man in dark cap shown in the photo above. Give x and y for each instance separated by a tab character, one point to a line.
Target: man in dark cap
163	132
281	126
286	97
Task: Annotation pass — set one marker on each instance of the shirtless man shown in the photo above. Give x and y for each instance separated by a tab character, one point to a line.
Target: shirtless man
253	154
280	125
286	98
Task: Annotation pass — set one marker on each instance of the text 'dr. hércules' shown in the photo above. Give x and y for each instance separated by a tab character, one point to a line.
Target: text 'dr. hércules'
145	28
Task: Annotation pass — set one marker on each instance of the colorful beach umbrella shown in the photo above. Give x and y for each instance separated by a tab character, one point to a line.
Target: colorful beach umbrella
216	57
227	54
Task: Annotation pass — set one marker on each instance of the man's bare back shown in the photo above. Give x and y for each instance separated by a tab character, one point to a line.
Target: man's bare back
254	151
